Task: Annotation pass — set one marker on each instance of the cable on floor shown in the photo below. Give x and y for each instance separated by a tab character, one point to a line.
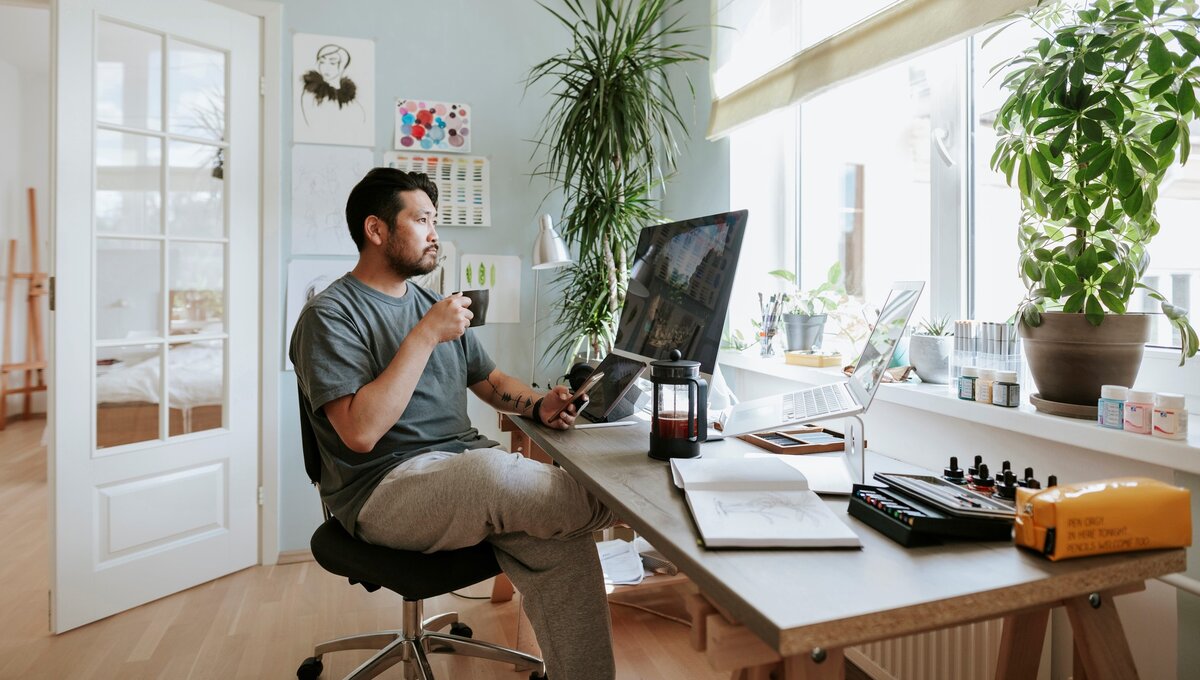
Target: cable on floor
470	597
655	612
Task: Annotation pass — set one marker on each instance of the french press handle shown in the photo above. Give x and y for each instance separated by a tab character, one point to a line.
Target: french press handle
701	411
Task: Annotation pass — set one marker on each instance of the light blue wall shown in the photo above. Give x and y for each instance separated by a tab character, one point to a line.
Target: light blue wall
478	53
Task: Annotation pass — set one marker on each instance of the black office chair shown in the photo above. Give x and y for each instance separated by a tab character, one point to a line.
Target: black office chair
415	576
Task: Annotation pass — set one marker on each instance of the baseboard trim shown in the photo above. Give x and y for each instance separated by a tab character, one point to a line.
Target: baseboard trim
294	556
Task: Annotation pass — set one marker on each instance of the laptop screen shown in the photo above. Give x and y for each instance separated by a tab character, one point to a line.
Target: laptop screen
889	328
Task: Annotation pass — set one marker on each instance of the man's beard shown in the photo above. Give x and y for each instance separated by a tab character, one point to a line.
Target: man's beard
408	267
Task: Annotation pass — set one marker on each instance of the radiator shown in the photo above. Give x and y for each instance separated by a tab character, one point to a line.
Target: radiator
962	653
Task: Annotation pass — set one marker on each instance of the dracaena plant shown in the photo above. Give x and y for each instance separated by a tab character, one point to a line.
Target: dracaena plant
609	141
1096	113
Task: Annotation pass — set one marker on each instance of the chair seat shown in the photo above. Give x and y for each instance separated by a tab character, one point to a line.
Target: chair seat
415	575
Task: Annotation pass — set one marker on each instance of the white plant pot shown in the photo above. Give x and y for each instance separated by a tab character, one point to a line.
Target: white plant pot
930	357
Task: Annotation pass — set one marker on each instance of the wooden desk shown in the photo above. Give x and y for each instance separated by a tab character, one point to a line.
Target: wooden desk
807	606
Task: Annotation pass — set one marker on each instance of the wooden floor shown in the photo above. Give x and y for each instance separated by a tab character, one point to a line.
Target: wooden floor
257	623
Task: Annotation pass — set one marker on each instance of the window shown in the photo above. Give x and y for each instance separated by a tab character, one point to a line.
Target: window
891	179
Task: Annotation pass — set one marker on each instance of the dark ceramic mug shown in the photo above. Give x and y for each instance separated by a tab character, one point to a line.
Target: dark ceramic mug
479	305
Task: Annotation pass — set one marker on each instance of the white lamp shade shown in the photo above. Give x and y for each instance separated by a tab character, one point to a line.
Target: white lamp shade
549	250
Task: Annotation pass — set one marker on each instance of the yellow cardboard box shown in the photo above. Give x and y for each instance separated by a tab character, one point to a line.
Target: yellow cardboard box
1105	516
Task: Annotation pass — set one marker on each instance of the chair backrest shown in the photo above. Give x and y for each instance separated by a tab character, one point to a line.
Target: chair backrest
308	442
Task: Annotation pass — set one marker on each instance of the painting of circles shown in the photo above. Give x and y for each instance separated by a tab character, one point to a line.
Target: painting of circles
423	125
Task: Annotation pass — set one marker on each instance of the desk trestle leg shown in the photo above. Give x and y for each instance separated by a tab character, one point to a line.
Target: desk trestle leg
1100	645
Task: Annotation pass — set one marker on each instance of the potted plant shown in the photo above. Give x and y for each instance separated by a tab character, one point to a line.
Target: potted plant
806	311
609	142
929	350
1097	111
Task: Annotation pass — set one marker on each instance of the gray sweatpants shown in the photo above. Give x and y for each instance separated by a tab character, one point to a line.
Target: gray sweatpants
538	519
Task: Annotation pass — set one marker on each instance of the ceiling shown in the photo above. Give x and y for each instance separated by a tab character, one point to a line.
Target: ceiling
25	38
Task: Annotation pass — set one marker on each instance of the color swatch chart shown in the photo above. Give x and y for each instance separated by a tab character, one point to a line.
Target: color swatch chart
463	182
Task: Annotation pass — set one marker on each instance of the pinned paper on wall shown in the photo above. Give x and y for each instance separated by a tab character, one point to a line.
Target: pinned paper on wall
306	278
443	278
423	125
499	273
322	177
334	85
463	182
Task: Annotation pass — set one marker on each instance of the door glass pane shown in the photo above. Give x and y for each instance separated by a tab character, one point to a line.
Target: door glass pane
196	205
197	288
196	91
128	386
128	289
196	383
128	183
128	76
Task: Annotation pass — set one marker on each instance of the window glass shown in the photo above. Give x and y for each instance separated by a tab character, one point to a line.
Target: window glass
865	181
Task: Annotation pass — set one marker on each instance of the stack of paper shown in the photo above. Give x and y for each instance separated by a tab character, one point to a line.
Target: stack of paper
621	563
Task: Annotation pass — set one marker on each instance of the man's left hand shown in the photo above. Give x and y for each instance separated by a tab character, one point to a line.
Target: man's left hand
553	400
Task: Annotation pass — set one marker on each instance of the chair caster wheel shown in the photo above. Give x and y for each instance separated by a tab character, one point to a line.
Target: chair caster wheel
461	630
310	669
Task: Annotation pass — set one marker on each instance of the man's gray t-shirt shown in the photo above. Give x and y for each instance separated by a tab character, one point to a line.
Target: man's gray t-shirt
344	338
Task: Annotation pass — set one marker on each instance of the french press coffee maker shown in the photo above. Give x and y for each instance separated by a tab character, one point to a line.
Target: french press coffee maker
679	420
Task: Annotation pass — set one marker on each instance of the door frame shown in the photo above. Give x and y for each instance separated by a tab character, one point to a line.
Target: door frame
270	14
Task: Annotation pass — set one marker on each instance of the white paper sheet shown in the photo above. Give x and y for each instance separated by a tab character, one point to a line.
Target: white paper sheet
322	177
333	90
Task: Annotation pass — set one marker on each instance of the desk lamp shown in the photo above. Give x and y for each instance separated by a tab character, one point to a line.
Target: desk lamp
549	252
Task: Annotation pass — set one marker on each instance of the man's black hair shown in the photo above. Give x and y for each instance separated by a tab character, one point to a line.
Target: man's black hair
378	194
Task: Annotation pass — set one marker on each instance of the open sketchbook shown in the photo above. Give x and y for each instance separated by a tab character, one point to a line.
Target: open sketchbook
757	503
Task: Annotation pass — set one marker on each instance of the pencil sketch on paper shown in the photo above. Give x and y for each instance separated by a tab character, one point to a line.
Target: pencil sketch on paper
335	82
322	177
772	507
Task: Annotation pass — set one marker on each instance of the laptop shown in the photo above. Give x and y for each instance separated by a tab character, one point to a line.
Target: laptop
837	399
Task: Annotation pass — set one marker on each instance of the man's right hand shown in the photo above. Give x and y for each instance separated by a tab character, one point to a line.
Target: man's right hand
448	318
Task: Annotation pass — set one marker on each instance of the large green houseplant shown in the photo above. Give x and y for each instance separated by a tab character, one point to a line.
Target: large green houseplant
609	142
1097	111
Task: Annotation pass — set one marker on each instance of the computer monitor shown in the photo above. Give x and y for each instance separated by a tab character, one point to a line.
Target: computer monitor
679	288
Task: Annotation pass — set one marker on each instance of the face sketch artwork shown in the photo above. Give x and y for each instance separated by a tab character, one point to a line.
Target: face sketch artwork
329	96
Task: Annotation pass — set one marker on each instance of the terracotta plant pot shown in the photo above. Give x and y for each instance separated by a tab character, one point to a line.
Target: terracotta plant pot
1070	358
930	357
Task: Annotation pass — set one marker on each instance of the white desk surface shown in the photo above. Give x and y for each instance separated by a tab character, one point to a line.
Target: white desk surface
797	600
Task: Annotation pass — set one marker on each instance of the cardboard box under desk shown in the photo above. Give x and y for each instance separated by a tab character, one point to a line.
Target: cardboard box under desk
798	440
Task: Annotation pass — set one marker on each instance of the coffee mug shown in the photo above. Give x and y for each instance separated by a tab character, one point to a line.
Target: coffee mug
479	305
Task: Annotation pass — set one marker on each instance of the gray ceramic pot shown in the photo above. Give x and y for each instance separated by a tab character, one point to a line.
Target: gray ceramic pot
1070	358
930	357
804	332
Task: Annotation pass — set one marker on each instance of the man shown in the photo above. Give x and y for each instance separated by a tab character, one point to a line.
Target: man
384	365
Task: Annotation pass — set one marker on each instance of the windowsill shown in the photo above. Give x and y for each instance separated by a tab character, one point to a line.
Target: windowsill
938	399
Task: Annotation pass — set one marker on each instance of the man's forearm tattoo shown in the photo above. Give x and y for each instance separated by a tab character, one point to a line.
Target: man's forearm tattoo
521	403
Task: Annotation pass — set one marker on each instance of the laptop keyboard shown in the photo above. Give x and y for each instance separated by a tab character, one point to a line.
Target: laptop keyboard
814	402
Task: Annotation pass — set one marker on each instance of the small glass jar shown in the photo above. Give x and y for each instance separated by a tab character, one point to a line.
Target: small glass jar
966	383
1006	391
983	386
1138	405
1110	410
1170	417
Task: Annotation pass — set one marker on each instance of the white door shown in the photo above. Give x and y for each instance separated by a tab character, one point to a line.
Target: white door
154	395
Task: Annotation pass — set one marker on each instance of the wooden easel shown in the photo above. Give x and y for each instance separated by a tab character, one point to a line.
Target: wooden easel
34	363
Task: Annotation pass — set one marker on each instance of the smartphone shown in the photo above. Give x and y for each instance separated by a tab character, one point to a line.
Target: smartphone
592	381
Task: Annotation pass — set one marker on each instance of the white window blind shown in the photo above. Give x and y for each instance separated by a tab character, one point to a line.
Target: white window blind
773	53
